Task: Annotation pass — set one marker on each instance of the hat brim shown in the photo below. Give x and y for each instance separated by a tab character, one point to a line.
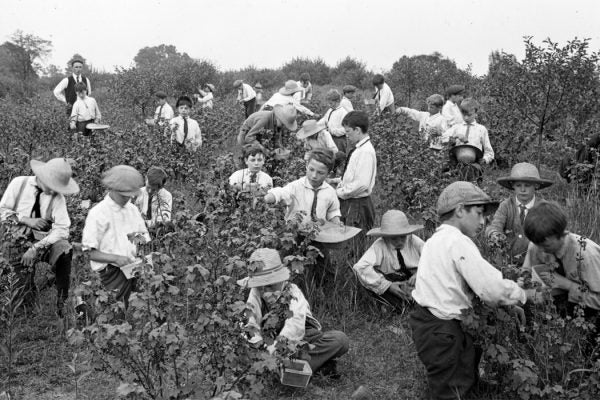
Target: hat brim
508	181
95	126
478	152
332	233
281	275
42	173
278	113
305	133
399	232
131	193
287	92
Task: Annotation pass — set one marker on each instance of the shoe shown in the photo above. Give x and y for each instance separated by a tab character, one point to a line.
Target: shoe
329	370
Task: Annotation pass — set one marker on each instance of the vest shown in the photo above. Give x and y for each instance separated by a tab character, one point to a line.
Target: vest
70	93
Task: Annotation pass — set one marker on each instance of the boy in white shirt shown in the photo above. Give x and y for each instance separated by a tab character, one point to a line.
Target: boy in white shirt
333	119
206	96
285	96
155	202
315	136
383	96
185	131
451	271
246	96
450	111
305	94
164	111
85	111
252	178
431	122
346	102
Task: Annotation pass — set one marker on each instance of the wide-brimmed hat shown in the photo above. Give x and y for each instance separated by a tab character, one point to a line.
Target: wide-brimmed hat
287	115
394	223
466	153
454	89
334	233
210	86
309	128
290	87
123	179
238	83
524	172
265	268
258	86
466	194
56	174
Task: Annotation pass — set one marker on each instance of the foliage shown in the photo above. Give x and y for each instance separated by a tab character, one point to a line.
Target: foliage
350	71
319	71
35	49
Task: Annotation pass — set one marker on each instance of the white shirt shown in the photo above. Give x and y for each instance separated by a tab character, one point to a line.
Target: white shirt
107	226
279	98
206	100
452	113
347	104
323	140
451	270
242	177
305	93
528	206
59	90
85	109
246	93
427	124
333	119
382	255
193	141
361	171
478	137
162	204
298	197
384	97
53	208
163	113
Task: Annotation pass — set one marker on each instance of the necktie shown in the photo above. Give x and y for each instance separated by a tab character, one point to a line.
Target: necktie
149	211
35	210
313	207
253	177
467	133
160	111
561	268
522	212
403	270
348	160
185	129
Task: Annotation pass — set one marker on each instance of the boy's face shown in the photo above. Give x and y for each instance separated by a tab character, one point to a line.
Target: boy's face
354	135
275	287
524	191
456	98
119	198
433	108
77	68
184	110
471	220
398	242
152	188
470	116
162	101
255	162
333	103
552	244
81	94
349	95
316	173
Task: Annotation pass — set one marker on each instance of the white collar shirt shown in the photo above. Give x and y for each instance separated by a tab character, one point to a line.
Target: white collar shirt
451	270
193	141
474	134
528	206
282	99
242	177
347	104
359	178
452	113
164	113
333	120
428	124
85	109
207	100
162	204
384	97
107	226
246	93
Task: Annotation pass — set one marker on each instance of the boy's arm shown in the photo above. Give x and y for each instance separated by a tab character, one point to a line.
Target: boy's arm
279	194
97	111
333	212
302	109
488	152
498	224
416	115
253	132
89	87
365	271
294	326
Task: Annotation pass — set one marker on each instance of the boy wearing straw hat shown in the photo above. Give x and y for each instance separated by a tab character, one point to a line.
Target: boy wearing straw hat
388	267
278	121
246	96
267	276
346	101
451	111
284	96
431	122
37	206
206	96
507	225
112	229
451	271
333	119
316	136
185	131
252	178
154	201
164	111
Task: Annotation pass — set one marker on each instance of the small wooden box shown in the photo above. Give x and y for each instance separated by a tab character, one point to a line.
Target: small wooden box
297	374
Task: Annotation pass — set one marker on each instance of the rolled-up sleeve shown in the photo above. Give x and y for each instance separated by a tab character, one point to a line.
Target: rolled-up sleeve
365	271
60	223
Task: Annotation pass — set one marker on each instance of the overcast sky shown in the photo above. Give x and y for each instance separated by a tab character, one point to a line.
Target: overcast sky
267	33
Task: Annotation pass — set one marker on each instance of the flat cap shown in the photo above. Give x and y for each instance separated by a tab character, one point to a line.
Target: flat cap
464	193
123	179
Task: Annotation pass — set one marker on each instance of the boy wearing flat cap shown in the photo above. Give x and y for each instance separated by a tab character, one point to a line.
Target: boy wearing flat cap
388	267
431	122
164	111
36	206
267	276
451	270
185	131
154	201
507	225
450	111
346	102
112	229
279	120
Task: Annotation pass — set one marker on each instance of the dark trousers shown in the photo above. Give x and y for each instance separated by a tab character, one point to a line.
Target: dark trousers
358	212
114	279
395	301
250	106
448	353
327	346
81	126
341	142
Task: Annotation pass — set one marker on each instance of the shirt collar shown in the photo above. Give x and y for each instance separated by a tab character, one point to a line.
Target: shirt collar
75	76
363	141
113	205
528	205
562	252
307	184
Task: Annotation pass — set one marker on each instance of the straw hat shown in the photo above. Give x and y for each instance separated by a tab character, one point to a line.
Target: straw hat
265	268
465	193
95	126
123	179
238	83
281	154
287	115
333	233
466	153
524	172
56	174
210	86
454	89
394	223
290	88
309	128
258	86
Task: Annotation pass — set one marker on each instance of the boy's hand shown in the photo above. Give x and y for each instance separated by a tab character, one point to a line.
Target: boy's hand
121	261
29	257
518	313
460	136
39	224
72	125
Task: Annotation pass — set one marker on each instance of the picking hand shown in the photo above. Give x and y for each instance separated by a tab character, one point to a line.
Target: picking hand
121	261
72	125
29	257
397	290
39	224
519	315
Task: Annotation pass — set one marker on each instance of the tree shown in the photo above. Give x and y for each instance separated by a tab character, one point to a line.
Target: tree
350	71
35	50
149	57
319	71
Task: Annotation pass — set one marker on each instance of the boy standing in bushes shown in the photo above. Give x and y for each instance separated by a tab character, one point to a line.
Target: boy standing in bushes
164	112
333	119
246	96
252	178
185	131
278	120
450	111
431	122
346	102
85	111
65	90
155	202
384	98
451	270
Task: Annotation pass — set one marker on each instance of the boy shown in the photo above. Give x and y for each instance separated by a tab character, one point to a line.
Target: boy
85	111
333	119
451	270
383	96
450	111
206	96
164	111
185	131
524	181
346	102
278	120
431	123
286	96
246	96
388	267
305	93
315	136
65	90
310	196
37	205
259	96
470	132
575	278
268	280
155	202
109	226
252	177
356	185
